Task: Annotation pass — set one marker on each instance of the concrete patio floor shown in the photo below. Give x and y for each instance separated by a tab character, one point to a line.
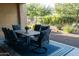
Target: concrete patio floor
70	39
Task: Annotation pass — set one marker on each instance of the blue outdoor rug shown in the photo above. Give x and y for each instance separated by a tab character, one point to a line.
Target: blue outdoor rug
54	49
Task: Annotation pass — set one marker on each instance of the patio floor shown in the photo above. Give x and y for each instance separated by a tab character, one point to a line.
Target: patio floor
70	39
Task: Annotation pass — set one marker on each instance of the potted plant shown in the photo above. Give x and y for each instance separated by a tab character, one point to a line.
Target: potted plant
26	28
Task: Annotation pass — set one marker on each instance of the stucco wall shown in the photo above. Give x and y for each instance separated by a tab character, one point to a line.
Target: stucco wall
23	17
8	15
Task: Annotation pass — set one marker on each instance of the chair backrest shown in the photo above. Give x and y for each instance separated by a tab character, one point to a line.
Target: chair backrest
44	27
44	36
13	36
6	33
10	36
16	27
37	27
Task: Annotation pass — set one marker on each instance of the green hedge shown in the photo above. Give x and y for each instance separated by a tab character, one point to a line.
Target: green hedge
68	29
58	21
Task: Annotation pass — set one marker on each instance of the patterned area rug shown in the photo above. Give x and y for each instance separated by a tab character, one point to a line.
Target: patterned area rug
54	49
64	49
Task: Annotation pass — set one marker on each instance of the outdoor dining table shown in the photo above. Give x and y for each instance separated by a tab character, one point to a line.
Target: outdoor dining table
29	33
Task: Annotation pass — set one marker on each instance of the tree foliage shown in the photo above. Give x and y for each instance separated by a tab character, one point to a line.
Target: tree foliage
35	9
67	9
69	13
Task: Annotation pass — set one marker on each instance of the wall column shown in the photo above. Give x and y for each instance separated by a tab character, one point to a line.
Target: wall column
23	19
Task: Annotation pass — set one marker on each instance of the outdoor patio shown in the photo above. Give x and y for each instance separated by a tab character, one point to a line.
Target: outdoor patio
61	39
64	40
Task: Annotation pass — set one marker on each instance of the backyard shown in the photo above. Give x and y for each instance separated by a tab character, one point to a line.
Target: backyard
63	20
36	29
63	17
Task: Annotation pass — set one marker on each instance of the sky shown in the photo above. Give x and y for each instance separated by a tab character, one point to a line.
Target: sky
39	1
52	1
49	4
43	2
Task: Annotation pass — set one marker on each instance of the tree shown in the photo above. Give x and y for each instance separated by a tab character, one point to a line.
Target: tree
32	9
35	9
46	11
68	10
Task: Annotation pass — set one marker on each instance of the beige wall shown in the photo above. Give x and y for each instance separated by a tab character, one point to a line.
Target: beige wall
23	17
8	15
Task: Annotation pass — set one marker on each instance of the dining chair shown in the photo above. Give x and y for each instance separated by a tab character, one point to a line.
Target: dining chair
41	42
13	40
37	27
16	41
16	27
6	34
44	27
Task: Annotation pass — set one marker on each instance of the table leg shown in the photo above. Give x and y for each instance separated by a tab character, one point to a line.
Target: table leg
28	41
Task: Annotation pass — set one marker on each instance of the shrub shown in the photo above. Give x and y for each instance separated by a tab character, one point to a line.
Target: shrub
63	20
68	29
60	21
56	20
59	26
46	20
68	19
